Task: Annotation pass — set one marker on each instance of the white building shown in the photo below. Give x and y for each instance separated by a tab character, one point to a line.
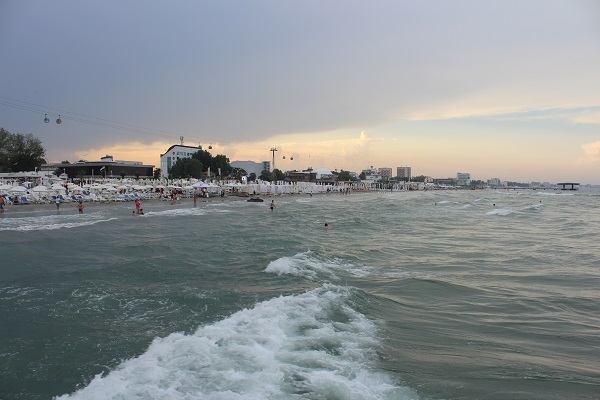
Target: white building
371	175
496	182
403	172
463	179
252	167
174	153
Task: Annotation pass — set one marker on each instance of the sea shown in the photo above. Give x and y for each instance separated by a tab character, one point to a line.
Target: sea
469	294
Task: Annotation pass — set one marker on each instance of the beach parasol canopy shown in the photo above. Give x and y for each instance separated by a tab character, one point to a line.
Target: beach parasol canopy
40	189
18	189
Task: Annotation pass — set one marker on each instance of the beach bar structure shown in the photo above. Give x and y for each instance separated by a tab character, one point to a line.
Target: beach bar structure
106	166
565	184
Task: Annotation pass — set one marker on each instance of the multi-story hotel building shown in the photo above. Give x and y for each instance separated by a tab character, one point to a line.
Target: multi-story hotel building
386	173
403	172
174	153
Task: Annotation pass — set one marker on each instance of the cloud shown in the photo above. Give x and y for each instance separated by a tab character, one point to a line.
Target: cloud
128	151
587	117
592	153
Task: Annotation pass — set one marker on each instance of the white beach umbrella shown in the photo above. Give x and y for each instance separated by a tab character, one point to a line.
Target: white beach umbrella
18	189
40	189
5	187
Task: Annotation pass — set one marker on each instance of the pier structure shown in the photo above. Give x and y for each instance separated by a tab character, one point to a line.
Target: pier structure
565	184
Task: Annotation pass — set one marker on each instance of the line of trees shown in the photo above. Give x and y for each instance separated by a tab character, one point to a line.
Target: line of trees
20	152
198	165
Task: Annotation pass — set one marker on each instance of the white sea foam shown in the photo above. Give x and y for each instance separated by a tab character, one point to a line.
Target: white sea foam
500	211
535	207
310	266
175	212
313	345
555	194
52	222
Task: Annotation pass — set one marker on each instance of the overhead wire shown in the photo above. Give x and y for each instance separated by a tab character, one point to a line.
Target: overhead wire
87	119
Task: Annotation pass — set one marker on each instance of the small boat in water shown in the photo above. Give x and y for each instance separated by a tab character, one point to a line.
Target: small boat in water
255	200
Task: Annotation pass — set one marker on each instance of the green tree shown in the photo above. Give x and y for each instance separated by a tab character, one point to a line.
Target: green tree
222	162
186	167
204	157
157	173
216	162
420	178
265	176
252	177
345	176
237	173
20	152
279	175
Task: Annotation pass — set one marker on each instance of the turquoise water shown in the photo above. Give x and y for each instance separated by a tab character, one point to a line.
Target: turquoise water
412	295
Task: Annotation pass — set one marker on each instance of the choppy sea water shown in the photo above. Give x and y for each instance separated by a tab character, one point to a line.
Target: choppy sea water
411	295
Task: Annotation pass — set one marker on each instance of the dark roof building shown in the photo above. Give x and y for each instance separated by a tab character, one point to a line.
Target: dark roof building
106	166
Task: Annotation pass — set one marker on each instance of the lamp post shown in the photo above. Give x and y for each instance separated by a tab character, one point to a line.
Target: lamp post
273	150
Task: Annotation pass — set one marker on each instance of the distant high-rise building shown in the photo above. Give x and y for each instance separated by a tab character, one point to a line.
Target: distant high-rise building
403	172
386	173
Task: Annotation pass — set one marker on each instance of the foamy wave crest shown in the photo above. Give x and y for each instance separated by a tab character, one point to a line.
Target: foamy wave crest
175	212
500	211
444	202
309	346
51	222
555	194
535	207
309	265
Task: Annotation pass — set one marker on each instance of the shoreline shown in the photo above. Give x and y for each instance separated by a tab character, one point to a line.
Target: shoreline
71	206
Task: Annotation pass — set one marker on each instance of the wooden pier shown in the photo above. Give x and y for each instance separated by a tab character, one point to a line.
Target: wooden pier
564	185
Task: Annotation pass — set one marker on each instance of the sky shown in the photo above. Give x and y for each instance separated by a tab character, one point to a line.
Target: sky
505	89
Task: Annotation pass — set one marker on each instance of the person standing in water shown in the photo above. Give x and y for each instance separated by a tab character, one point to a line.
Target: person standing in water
80	207
272	206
